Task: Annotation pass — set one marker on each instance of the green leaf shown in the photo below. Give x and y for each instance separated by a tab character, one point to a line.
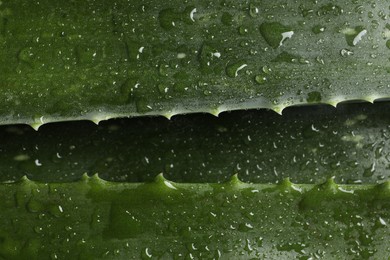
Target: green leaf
97	59
94	219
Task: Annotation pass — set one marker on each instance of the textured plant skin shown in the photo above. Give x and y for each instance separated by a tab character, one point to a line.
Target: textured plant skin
97	59
94	219
314	143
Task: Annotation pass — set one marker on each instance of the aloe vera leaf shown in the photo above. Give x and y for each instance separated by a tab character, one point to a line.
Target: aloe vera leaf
94	219
306	144
94	59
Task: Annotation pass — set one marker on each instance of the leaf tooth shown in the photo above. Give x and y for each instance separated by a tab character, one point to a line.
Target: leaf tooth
287	186
329	185
169	115
371	99
383	189
159	178
215	112
96	121
85	177
95	179
36	126
234	180
286	183
25	180
278	109
162	181
336	100
332	103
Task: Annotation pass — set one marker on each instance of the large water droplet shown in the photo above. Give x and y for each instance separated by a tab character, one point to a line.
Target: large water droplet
318	29
227	19
253	10
346	52
354	35
260	79
168	18
233	69
143	106
275	33
330	9
146	254
388	44
34	206
289	58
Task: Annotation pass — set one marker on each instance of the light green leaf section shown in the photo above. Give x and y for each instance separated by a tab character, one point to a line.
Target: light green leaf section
97	59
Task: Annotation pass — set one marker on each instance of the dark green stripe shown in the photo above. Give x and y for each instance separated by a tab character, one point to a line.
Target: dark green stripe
306	144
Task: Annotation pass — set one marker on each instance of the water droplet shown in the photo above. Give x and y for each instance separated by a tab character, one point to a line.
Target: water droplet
266	69
88	54
260	79
34	206
163	89
253	10
382	221
208	57
21	157
143	106
346	52
181	55
318	29
37	163
193	11
275	33
233	69
133	50
243	30
227	19
244	227
358	37
56	210
26	55
297	247
330	9
167	18
290	58
38	230
354	35
369	172
388	44
146	254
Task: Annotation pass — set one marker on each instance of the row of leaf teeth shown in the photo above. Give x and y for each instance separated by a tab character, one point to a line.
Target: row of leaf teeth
99	117
234	183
